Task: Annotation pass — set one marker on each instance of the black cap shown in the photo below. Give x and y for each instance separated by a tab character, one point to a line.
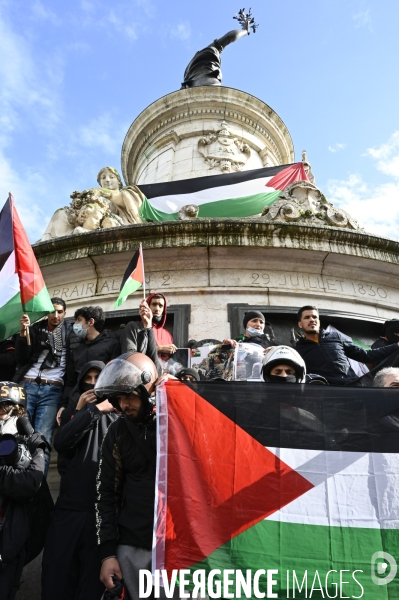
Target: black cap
188	371
252	314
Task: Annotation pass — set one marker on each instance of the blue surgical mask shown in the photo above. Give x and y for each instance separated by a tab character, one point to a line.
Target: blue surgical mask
254	332
79	331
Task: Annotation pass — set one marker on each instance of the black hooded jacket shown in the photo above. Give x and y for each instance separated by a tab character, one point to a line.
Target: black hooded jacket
104	348
126	487
78	443
17	487
329	356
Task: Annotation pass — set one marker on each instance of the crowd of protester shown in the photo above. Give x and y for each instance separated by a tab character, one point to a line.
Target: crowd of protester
98	387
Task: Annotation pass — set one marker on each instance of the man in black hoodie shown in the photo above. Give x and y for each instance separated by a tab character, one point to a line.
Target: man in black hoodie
97	343
70	562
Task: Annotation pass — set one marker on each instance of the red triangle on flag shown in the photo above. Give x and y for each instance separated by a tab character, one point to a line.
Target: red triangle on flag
220	480
30	276
284	178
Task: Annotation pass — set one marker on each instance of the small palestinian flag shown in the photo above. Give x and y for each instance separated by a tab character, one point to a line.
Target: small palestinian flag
22	287
240	194
296	478
133	277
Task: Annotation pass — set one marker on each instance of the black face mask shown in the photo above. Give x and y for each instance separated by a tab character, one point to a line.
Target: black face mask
278	379
85	387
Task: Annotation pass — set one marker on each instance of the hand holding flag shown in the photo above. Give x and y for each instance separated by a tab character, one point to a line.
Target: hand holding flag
133	277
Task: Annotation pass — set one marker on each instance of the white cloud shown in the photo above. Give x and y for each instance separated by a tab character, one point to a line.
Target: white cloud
387	156
375	207
87	6
26	88
362	19
123	26
42	13
182	31
28	191
336	147
102	132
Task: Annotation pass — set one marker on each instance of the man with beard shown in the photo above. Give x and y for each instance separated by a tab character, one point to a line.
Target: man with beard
327	352
70	564
41	367
126	476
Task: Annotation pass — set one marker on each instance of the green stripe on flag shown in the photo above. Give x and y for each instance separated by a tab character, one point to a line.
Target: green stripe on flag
296	547
246	206
11	312
131	286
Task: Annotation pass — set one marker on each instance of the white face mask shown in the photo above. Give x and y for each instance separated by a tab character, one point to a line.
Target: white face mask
79	331
254	332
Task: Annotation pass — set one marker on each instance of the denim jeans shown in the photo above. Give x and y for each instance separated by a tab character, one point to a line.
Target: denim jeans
42	407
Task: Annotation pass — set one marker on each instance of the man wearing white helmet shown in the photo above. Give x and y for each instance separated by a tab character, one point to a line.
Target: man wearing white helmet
283	364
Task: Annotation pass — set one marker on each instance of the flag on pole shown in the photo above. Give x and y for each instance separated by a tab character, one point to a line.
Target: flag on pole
241	194
304	480
22	287
133	277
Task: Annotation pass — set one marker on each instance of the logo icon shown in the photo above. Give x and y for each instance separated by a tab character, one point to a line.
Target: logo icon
379	566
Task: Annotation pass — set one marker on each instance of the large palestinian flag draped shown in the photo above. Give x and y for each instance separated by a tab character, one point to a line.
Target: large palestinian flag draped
240	194
293	478
22	287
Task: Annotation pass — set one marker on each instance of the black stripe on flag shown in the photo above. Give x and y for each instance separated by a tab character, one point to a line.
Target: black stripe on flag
309	416
6	237
131	267
189	186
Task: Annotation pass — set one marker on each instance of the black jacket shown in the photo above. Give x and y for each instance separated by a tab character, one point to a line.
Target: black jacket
17	487
79	442
8	359
135	338
259	340
27	356
329	357
103	348
126	488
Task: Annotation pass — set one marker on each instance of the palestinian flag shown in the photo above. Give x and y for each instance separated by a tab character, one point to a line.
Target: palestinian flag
295	478
240	194
133	277
22	287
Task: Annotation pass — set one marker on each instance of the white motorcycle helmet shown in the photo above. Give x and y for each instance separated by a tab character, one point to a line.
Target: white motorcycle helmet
284	355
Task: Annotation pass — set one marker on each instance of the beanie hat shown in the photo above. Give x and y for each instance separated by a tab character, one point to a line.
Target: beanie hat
252	314
187	371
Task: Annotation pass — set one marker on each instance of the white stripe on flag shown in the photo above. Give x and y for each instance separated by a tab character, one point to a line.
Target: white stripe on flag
174	203
9	282
352	489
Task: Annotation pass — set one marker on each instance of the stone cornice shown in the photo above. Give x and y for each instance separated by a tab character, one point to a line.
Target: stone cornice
250	232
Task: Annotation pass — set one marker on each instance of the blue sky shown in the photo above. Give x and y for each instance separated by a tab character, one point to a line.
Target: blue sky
74	76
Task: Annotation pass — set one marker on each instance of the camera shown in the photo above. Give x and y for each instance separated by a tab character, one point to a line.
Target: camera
14	452
14	447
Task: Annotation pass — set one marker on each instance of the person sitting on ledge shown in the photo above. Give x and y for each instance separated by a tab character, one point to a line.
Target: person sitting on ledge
254	325
326	353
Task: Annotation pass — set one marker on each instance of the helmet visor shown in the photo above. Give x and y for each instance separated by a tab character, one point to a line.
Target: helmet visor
118	377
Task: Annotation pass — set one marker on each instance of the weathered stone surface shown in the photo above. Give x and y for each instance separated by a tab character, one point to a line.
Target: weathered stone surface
211	262
303	202
162	143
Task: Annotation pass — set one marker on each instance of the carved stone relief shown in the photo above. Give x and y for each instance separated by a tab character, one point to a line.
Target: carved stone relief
223	150
302	202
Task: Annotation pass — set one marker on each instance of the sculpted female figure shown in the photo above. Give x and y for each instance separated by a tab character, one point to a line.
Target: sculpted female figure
125	202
